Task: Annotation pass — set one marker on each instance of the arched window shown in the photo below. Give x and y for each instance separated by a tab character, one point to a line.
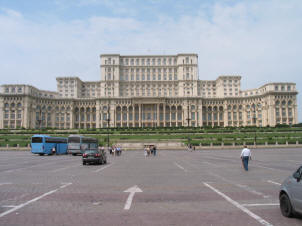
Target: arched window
283	103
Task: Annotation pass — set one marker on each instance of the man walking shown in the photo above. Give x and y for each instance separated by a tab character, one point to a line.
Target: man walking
245	157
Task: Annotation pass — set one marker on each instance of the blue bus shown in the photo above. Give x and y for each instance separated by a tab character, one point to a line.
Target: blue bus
78	144
43	144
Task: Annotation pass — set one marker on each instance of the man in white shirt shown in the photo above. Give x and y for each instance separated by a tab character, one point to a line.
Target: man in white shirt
245	156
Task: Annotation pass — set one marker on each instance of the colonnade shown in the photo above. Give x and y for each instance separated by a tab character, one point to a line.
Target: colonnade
29	113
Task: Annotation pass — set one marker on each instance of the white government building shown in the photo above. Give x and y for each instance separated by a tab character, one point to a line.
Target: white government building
148	91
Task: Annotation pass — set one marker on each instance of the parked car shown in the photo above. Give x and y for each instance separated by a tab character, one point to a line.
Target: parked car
290	195
94	156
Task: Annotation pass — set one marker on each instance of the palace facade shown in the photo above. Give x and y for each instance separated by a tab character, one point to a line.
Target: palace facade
148	91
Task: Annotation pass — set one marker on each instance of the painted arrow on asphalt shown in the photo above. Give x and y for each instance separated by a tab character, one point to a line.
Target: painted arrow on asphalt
132	192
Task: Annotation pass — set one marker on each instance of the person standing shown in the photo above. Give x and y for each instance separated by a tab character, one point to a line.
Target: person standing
245	157
154	150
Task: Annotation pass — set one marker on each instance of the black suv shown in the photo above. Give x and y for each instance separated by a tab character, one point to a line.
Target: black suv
94	156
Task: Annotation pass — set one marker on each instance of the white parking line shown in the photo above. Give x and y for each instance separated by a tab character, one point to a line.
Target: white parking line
211	164
294	161
33	200
262	204
64	185
264	167
241	207
98	170
245	187
273	182
5	183
8	206
60	169
179	166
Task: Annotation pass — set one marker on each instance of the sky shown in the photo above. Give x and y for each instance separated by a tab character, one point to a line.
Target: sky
257	39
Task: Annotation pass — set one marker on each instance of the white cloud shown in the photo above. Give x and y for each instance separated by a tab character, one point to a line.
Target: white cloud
259	40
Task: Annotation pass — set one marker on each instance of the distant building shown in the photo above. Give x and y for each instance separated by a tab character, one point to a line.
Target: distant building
148	91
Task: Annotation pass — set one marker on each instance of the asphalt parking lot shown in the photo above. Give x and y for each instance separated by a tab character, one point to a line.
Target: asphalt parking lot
206	187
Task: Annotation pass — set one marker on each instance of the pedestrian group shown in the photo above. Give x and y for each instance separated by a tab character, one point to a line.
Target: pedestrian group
149	150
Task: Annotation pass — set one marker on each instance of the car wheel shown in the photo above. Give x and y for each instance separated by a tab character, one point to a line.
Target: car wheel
84	163
285	206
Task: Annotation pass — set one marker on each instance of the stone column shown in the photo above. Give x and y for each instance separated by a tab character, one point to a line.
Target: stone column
225	115
113	113
133	115
158	114
176	116
71	113
127	116
164	112
170	118
213	117
25	113
295	112
2	113
97	114
140	115
122	113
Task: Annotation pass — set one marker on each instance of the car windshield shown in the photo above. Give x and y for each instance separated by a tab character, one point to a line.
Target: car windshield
91	152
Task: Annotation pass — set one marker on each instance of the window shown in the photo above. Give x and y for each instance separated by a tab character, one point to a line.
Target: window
192	115
187	60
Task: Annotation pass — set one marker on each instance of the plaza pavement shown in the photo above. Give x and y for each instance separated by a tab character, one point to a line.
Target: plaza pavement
207	187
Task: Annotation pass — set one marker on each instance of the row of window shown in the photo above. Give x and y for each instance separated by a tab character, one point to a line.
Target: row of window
12	105
13	90
282	88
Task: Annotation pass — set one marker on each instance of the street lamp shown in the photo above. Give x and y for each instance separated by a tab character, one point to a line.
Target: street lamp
108	125
39	120
188	119
254	121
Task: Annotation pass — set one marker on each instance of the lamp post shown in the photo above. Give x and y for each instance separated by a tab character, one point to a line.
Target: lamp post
254	121
108	125
188	119
39	120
